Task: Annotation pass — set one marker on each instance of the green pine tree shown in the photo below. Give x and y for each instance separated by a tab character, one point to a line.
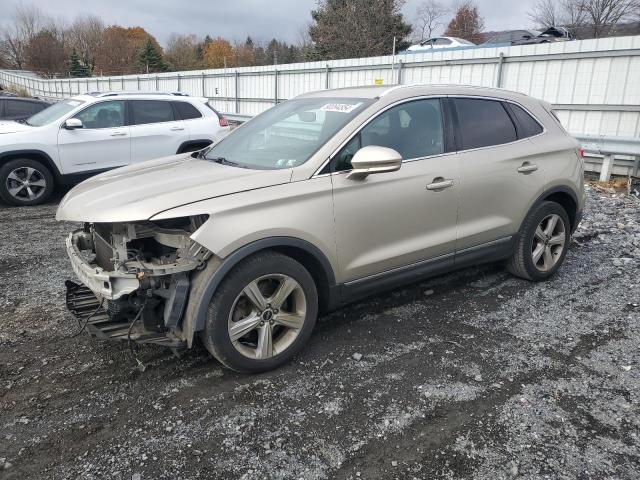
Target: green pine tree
150	59
76	67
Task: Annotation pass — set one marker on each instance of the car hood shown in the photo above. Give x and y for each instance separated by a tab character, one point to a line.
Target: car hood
140	191
7	126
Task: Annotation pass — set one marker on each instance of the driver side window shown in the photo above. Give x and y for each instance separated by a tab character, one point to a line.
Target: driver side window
414	129
103	115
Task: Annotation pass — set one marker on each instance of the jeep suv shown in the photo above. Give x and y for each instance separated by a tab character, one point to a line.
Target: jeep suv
319	201
91	133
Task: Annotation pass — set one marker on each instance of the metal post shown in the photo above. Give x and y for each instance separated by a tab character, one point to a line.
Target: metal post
122	81
157	82
275	87
204	86
138	79
237	97
109	83
327	70
636	167
399	72
607	166
499	74
178	82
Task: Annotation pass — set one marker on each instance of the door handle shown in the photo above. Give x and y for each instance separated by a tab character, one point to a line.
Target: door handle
439	183
528	167
175	129
119	134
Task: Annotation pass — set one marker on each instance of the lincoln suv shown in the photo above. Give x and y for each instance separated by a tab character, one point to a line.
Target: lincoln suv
319	201
91	133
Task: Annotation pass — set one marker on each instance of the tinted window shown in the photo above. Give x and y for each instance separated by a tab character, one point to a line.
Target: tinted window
527	126
103	115
442	41
151	111
186	111
414	129
483	123
17	108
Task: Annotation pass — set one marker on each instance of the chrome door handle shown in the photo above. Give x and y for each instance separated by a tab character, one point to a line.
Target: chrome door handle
119	134
528	167
175	129
440	184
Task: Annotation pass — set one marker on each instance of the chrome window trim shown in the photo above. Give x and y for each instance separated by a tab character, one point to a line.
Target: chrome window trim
422	97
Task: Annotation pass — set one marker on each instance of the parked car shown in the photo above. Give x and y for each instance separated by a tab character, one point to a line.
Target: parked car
319	201
14	108
92	133
440	42
511	37
553	34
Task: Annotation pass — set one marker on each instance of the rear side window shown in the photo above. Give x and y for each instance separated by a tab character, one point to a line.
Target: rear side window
151	111
186	111
483	123
527	125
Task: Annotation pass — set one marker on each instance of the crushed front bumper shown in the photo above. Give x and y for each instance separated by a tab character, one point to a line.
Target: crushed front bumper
106	285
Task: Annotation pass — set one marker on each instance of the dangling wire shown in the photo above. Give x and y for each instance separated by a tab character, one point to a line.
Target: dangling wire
86	321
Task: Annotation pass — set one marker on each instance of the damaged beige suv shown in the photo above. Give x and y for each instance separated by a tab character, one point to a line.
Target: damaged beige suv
319	201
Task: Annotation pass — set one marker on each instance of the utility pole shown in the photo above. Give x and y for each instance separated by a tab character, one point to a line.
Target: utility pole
393	59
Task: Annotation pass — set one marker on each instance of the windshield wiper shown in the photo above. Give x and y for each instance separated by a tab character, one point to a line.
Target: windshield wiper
224	161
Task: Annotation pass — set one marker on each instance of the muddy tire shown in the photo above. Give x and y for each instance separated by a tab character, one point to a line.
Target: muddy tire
542	244
25	182
262	314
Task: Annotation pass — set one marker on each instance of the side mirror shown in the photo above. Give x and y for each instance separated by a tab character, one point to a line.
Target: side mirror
374	159
72	124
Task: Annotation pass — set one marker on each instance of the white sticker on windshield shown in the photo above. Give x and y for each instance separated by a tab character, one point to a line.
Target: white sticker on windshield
73	103
340	107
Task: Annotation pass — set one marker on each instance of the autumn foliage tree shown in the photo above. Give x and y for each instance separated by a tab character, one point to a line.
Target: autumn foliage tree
466	23
45	53
219	53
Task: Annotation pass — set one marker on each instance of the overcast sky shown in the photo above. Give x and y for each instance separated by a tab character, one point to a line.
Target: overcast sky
235	19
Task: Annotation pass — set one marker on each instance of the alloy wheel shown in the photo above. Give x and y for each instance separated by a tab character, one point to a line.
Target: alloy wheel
548	242
267	316
26	183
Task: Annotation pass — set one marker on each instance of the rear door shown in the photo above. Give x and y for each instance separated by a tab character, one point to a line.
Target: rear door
102	143
156	129
499	172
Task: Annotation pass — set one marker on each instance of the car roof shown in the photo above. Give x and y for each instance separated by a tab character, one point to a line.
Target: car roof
133	95
23	99
375	91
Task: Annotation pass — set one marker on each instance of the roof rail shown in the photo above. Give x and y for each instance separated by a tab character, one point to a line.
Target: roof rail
117	93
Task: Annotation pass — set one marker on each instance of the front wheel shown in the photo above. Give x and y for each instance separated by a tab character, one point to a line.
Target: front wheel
542	244
25	182
262	313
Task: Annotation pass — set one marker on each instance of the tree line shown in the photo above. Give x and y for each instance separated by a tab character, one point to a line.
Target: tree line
85	46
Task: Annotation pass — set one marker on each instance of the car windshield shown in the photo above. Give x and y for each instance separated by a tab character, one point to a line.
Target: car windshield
288	134
53	113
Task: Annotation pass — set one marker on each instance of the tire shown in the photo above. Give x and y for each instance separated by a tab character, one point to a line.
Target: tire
539	254
231	305
41	182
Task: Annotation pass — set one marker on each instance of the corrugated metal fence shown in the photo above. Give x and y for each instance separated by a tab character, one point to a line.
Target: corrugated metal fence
593	84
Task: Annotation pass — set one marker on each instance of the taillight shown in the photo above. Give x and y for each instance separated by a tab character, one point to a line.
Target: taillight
223	122
581	152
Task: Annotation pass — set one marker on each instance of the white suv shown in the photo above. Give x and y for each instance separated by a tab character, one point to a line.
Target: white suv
91	133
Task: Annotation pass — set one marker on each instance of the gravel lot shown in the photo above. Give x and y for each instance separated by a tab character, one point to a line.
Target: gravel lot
472	375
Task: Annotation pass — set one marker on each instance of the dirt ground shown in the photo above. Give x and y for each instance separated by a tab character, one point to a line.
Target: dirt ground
471	375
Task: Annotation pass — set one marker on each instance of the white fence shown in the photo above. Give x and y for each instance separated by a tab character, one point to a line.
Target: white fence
593	84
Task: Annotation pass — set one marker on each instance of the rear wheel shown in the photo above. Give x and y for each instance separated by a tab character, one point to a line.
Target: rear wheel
25	182
542	244
262	313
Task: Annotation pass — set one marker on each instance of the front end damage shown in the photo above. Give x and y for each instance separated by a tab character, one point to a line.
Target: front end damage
135	278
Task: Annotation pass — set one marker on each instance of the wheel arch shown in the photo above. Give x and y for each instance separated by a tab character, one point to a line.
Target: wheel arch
32	154
311	257
565	197
202	143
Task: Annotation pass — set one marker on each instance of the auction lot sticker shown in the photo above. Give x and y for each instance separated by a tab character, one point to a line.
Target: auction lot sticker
339	107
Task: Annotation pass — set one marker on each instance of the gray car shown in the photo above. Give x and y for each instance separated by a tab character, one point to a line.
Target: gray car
320	201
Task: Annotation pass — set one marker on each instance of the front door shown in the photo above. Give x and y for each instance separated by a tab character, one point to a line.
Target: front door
393	220
102	143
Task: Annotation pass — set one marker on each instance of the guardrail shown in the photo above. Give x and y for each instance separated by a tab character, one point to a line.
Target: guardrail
611	149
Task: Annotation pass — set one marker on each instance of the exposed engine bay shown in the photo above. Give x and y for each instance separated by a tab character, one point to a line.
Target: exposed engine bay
134	273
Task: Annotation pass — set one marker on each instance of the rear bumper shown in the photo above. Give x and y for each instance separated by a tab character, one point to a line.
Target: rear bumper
107	285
